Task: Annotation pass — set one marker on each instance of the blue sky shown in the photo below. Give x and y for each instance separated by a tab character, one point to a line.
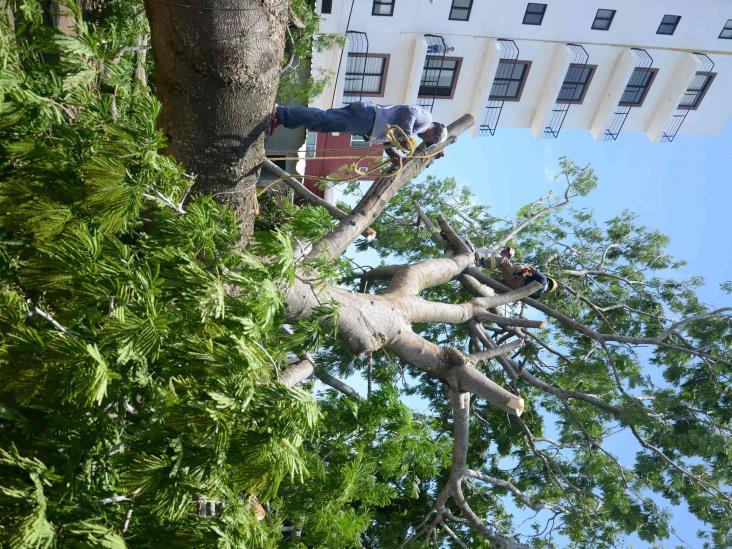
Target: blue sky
682	189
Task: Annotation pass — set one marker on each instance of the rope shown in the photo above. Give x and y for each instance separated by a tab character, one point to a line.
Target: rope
398	139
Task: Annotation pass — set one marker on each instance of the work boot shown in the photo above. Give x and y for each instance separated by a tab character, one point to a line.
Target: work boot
275	121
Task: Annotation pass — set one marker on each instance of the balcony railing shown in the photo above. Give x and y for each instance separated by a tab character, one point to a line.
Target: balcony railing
645	62
577	66
510	52
436	48
358	43
697	84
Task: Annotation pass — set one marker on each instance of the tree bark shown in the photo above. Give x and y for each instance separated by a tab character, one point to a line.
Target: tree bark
217	68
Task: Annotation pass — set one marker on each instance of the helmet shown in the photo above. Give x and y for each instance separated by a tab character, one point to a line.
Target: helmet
551	284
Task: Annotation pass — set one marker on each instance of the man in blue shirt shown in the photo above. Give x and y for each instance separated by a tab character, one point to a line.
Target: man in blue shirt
363	118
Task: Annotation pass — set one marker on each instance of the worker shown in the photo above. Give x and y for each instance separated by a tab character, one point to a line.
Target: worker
367	119
516	275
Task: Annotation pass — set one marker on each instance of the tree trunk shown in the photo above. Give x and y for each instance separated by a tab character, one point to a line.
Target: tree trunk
217	68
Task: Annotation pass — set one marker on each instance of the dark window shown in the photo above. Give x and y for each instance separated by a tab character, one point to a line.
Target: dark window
439	77
637	88
366	74
727	30
575	84
603	19
326	6
668	24
534	13
510	79
383	7
697	90
460	10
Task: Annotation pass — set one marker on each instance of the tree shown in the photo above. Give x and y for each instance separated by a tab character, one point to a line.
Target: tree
139	344
150	391
217	67
585	378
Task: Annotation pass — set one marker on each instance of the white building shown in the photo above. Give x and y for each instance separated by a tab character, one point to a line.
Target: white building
655	66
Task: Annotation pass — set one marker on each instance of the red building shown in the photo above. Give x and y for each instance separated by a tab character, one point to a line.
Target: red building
328	153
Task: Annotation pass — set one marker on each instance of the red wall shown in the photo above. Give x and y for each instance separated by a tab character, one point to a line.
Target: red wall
329	145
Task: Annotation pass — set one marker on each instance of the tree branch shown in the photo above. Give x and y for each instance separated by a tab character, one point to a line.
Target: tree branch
379	194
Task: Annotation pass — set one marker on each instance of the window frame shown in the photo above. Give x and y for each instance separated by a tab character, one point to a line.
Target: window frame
389	3
326	6
357	141
527	13
585	85
598	18
647	87
728	29
672	26
469	10
702	92
382	82
455	77
520	92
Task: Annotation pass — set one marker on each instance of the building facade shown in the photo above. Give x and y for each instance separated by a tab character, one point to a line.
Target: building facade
661	67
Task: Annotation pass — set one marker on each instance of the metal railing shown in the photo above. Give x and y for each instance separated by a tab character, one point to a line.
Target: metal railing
577	65
645	61
436	48
697	85
509	52
358	43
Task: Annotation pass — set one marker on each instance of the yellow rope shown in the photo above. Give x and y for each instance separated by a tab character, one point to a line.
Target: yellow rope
404	142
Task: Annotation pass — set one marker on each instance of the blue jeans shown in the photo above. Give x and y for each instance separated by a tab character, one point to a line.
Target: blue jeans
356	118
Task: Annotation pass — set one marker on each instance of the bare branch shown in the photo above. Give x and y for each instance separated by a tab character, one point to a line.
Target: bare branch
708	488
492	353
380	193
515	491
43	314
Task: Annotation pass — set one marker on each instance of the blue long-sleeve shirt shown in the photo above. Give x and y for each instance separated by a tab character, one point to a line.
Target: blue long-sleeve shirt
413	119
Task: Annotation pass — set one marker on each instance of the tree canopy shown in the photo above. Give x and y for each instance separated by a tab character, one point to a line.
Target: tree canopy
155	385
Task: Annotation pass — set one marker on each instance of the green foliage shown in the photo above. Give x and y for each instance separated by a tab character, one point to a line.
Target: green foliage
140	346
298	50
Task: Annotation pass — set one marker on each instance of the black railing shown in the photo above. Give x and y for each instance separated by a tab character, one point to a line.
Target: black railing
645	62
358	43
692	92
572	84
509	52
436	49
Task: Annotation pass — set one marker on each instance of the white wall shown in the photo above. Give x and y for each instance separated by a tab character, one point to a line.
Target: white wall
635	24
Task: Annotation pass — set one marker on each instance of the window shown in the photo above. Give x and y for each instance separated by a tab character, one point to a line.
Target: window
534	13
638	85
383	7
510	79
695	93
603	18
668	24
460	10
727	30
366	74
326	6
358	141
439	77
575	84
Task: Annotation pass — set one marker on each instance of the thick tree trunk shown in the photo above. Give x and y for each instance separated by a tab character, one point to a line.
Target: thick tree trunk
217	67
